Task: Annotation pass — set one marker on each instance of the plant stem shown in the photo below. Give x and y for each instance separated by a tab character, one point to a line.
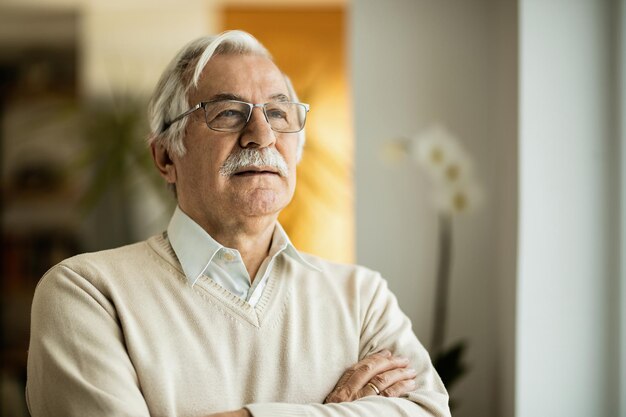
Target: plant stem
443	280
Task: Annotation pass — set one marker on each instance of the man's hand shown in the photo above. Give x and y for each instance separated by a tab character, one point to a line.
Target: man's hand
378	374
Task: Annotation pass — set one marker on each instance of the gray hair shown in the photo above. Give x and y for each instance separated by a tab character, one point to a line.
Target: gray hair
170	96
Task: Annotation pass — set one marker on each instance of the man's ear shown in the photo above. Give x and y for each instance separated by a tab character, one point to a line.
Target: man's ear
163	162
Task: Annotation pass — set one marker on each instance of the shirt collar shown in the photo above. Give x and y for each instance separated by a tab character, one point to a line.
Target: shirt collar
195	248
283	244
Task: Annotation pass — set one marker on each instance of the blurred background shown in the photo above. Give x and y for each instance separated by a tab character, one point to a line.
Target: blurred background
532	90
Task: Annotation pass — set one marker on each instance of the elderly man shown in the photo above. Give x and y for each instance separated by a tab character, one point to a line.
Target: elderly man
221	315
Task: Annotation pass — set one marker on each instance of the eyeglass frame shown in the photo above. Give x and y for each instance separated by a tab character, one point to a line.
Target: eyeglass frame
203	104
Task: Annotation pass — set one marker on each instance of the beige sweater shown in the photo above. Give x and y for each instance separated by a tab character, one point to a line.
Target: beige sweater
121	333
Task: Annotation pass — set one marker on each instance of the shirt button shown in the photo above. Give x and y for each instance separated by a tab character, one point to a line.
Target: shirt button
228	256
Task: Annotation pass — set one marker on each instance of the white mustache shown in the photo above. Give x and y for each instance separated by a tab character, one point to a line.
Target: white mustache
252	157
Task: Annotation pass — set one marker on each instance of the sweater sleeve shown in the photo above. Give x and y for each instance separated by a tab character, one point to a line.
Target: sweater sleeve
383	326
77	360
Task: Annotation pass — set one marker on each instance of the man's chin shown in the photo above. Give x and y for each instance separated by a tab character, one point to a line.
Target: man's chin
261	202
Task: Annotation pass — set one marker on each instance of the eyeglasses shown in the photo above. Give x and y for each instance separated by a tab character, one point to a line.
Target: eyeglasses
233	116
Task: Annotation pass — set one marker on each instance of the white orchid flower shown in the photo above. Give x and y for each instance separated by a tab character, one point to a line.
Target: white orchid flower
449	167
460	198
435	149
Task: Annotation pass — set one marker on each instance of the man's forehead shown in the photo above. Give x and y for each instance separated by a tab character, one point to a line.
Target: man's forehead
235	96
241	75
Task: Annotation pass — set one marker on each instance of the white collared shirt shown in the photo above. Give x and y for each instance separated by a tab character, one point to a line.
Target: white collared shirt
199	254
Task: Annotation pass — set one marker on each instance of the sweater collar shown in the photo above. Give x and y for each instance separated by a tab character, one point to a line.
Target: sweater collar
196	249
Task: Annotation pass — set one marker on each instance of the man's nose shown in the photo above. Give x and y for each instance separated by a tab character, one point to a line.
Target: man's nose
258	132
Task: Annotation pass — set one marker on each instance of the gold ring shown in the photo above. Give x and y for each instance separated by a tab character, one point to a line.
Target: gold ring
374	387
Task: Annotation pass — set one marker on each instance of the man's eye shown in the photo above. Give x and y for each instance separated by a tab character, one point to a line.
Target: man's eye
230	114
276	114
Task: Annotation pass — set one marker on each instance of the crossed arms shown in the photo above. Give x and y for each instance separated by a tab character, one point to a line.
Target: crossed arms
378	374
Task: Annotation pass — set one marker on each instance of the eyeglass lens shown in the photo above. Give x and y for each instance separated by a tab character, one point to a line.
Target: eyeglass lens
232	116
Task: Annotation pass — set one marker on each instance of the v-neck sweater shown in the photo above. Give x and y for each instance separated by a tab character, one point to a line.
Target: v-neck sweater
122	333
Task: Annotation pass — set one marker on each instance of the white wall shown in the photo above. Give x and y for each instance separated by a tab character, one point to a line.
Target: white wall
568	302
621	108
413	63
505	139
